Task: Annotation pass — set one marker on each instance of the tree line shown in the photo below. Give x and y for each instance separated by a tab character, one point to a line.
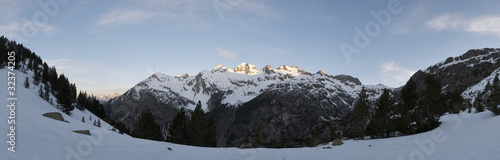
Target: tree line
195	130
413	112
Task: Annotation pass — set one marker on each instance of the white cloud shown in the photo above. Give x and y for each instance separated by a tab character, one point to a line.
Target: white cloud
124	17
394	75
489	25
13	29
227	54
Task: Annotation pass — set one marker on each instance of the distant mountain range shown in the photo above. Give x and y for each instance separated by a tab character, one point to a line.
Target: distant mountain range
105	98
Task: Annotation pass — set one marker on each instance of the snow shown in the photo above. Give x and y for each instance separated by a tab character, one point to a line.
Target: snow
472	92
463	136
291	70
442	64
242	85
246	68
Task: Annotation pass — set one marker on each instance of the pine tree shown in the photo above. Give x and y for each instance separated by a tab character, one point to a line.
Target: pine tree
210	133
122	128
431	105
406	107
478	103
30	64
359	116
494	98
456	102
36	78
45	73
64	95
40	92
83	119
380	125
196	126
177	130
46	95
147	128
26	83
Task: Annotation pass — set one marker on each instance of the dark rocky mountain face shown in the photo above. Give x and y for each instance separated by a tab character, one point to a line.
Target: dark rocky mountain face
283	115
127	108
460	73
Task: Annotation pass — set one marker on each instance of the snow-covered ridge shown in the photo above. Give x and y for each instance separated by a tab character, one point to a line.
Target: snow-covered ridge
468	58
245	68
246	82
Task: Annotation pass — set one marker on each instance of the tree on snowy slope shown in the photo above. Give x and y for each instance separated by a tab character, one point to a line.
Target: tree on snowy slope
90	103
380	125
431	105
359	116
210	133
26	83
147	128
406	106
177	130
197	131
64	95
494	98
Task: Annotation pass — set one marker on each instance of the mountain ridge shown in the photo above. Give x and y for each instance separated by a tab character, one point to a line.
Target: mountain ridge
222	91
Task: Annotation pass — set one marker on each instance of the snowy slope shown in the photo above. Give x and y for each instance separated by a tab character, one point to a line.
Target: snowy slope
461	137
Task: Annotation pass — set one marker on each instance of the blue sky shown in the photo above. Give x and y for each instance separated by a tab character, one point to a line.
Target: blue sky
107	46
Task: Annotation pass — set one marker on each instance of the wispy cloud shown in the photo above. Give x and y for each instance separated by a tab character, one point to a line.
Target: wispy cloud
16	28
124	17
226	54
60	63
181	14
488	25
394	75
121	17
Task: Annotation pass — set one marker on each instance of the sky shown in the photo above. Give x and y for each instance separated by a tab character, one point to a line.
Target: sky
108	46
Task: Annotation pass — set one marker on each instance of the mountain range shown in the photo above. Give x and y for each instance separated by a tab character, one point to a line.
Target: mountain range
287	101
243	98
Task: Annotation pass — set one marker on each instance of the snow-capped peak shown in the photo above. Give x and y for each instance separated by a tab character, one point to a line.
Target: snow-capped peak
291	70
322	73
219	68
246	68
268	69
218	65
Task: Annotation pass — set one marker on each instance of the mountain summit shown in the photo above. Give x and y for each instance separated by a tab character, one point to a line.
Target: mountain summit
245	68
